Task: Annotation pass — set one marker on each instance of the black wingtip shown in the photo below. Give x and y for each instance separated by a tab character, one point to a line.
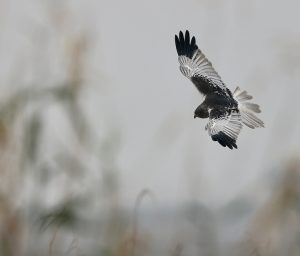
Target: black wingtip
224	140
184	45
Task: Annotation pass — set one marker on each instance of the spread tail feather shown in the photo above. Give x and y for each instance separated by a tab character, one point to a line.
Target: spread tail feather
247	109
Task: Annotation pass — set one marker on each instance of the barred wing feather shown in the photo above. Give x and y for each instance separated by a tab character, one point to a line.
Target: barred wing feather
195	66
224	127
247	109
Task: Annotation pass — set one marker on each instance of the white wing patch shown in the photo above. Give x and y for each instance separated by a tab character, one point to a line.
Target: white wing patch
230	125
200	66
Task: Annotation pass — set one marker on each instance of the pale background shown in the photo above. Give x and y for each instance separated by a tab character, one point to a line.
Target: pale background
93	108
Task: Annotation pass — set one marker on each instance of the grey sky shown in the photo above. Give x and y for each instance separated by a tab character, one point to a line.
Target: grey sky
134	87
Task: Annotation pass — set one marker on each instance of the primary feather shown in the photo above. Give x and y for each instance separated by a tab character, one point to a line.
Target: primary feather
195	66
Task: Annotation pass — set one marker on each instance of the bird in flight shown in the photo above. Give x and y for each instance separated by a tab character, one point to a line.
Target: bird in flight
227	112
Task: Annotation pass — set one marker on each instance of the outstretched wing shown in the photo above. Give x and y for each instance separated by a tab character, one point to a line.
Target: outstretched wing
224	126
195	66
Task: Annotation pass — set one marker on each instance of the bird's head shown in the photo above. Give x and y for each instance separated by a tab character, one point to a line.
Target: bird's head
197	113
201	112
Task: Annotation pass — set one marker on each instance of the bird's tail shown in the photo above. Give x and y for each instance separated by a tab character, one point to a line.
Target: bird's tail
247	109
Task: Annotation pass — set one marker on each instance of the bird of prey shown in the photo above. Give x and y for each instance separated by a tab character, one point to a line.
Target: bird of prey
227	112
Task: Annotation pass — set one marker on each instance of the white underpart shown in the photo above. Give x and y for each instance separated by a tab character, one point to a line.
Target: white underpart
247	109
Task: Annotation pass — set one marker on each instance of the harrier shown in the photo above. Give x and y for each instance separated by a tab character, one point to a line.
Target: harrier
226	111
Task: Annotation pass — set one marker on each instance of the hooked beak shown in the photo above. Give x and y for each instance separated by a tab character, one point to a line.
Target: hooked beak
195	116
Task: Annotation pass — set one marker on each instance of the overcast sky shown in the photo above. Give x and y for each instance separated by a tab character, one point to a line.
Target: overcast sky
134	87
